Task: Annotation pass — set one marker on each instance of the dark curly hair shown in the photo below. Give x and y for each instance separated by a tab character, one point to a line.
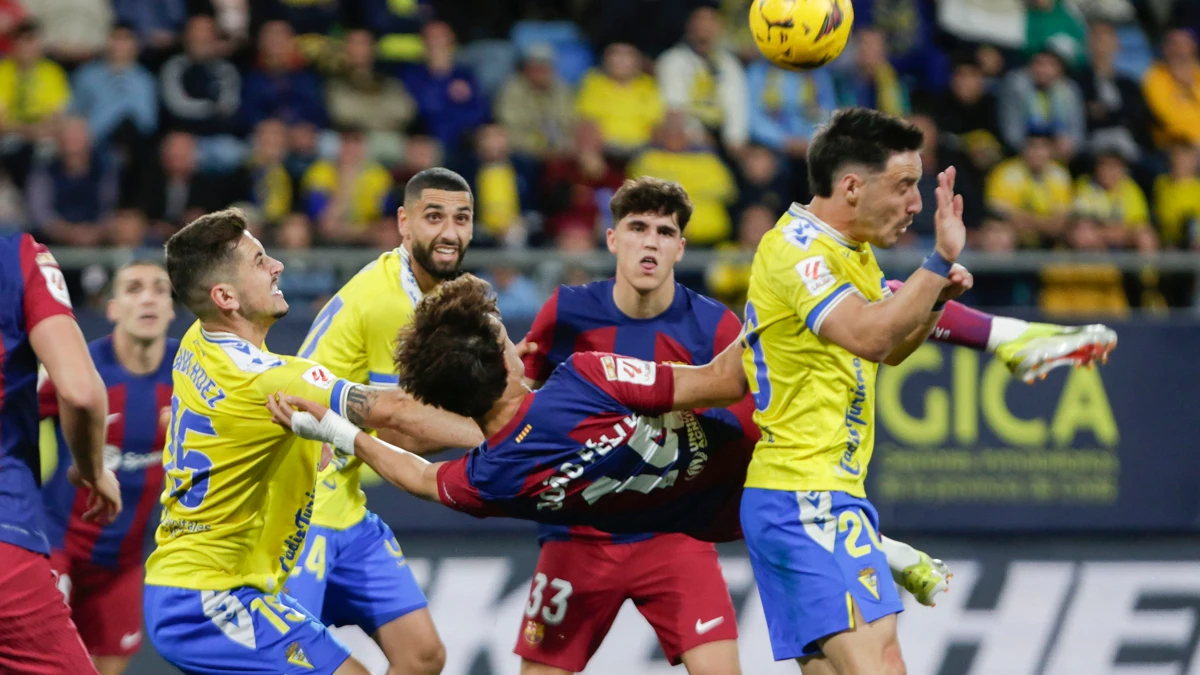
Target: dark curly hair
451	356
857	136
652	195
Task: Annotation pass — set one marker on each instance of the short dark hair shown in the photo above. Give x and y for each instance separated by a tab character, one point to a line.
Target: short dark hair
652	195
196	253
857	136
450	356
27	28
436	178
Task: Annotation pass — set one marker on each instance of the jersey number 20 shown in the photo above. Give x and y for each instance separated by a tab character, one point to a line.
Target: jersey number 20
187	470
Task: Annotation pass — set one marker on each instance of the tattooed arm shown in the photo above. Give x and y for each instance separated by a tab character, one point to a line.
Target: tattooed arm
408	423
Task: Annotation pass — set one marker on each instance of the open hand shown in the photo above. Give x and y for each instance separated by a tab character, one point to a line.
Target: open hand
948	222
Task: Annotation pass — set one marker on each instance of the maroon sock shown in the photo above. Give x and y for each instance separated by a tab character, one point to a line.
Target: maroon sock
960	325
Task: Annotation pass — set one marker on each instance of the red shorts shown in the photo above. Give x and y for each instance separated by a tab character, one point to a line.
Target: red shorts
674	581
106	604
36	633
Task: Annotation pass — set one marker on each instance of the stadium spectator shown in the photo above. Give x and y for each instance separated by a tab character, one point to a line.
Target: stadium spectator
302	150
1056	25
872	82
1113	200
535	106
504	188
1088	289
762	182
621	99
1030	194
910	32
966	116
695	165
201	92
307	18
1040	95
263	180
1172	88
420	153
1177	199
579	186
72	195
306	282
347	198
359	96
449	101
176	192
116	91
786	107
969	184
12	14
729	279
74	31
701	77
33	93
233	20
1116	112
157	23
280	85
516	294
398	27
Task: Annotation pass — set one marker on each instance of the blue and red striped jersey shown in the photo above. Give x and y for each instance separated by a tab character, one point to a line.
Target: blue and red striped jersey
32	289
597	446
692	330
133	450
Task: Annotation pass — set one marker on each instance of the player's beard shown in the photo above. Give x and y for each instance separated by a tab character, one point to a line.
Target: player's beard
423	255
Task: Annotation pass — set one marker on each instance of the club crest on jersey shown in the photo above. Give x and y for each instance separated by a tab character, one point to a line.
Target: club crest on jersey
297	657
815	274
534	632
318	376
870	581
624	369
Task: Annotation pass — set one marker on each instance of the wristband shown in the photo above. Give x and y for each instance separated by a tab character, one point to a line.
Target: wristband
938	306
937	264
332	429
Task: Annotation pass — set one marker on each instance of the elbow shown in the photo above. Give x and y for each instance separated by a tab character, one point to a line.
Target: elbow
83	394
878	350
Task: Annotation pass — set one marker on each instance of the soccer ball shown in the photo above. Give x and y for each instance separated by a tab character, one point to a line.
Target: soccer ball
801	34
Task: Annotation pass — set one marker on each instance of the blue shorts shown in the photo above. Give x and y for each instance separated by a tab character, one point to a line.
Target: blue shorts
814	553
356	576
240	631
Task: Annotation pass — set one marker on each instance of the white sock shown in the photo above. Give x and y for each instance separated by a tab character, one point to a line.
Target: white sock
1003	330
899	554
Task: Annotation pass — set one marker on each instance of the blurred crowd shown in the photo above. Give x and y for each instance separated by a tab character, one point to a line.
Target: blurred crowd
1075	124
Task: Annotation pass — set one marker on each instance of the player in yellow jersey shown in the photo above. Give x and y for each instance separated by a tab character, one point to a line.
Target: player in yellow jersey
351	574
819	321
239	489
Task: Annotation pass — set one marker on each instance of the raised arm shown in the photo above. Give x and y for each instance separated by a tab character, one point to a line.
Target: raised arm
718	384
424	428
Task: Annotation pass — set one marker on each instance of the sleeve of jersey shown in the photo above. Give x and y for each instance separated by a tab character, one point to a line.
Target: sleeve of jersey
308	380
45	288
728	331
642	386
455	490
538	365
814	286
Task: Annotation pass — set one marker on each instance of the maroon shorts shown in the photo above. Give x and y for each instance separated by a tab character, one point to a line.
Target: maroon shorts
106	604
674	581
36	633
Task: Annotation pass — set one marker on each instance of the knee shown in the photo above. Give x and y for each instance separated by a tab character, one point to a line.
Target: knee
893	662
428	659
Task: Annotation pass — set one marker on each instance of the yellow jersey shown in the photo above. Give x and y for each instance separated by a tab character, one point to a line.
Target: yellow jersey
239	488
815	401
354	336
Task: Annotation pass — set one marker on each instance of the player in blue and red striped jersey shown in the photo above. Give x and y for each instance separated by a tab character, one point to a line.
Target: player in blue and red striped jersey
36	323
675	581
100	565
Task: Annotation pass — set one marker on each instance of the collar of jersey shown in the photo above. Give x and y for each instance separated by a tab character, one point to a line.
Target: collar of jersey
798	211
408	280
